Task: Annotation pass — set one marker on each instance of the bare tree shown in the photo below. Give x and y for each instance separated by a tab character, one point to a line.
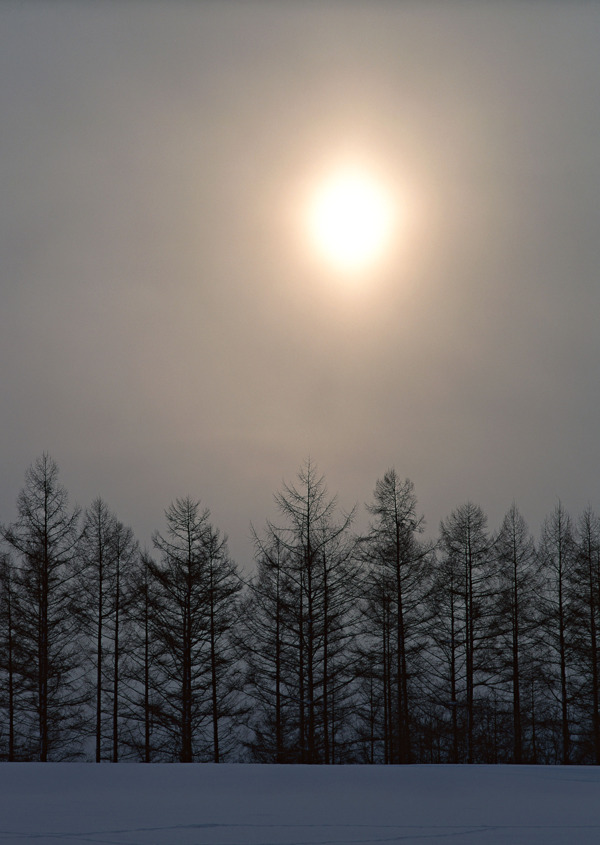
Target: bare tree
95	560
585	596
557	557
516	617
399	574
193	612
9	665
107	554
301	614
125	556
139	675
44	538
264	637
446	653
466	544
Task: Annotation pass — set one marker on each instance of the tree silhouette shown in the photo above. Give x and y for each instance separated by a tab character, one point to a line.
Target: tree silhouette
44	539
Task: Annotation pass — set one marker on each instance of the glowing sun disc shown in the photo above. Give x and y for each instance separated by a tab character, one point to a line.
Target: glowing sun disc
351	220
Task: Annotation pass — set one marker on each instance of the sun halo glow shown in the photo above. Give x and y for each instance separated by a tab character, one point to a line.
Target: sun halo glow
351	220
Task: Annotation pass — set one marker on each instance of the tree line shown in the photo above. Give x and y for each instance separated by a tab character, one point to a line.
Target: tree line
380	647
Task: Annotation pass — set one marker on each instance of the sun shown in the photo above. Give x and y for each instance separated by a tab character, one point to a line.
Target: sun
351	220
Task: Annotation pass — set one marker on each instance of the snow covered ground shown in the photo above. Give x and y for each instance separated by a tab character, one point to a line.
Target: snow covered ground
289	805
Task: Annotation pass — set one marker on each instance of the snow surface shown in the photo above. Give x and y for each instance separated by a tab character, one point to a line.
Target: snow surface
131	804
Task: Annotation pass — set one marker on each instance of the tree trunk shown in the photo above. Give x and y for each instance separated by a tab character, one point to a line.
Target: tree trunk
100	611
115	708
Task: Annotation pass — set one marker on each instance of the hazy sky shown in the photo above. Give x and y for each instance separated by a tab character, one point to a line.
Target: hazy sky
167	328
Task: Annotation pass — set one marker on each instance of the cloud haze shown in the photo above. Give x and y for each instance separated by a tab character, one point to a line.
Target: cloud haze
165	328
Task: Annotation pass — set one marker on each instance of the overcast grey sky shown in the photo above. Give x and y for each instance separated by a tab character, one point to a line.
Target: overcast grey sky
165	327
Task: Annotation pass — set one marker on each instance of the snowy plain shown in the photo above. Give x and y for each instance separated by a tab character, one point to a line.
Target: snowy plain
205	804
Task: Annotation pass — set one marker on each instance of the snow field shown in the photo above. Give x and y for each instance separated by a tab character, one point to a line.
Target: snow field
205	804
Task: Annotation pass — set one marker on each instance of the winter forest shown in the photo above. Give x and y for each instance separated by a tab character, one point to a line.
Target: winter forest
339	647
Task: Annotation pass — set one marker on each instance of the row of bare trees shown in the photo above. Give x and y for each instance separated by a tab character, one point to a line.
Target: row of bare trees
479	646
105	651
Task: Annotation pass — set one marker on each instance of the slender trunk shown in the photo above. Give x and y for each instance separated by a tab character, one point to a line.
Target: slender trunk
388	672
99	651
310	659
399	650
470	641
384	656
278	713
517	731
11	690
115	713
453	691
495	760
333	725
563	669
534	756
371	722
213	672
325	663
594	656
302	727
402	692
43	656
147	726
186	692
